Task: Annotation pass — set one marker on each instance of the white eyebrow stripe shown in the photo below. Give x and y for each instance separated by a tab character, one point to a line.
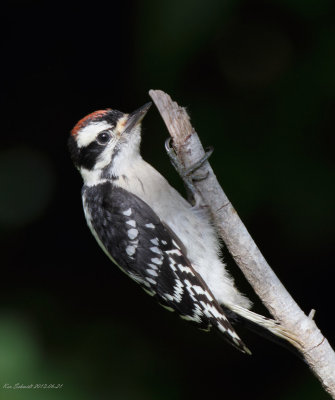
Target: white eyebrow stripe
89	133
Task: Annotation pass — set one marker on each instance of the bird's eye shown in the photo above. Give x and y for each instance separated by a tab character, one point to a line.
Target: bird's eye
103	137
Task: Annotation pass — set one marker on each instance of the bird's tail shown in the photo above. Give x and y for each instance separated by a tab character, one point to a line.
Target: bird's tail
266	327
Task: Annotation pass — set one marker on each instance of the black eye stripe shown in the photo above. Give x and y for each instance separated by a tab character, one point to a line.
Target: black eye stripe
88	155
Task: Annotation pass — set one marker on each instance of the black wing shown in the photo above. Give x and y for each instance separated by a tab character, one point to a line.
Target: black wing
151	254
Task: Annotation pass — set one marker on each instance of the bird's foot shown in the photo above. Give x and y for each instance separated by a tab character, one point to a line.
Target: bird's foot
187	174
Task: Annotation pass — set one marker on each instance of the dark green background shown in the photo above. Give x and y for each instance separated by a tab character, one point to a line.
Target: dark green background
258	79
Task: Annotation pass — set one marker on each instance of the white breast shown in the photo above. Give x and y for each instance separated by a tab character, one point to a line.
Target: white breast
189	224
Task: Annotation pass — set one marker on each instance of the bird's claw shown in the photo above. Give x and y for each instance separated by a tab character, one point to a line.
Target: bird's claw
187	174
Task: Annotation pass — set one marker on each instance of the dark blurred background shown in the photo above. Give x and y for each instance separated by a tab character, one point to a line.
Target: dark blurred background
258	79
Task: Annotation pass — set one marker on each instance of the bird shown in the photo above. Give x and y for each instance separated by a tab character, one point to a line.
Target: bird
152	233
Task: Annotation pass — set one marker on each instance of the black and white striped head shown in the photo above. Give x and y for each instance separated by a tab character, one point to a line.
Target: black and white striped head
104	142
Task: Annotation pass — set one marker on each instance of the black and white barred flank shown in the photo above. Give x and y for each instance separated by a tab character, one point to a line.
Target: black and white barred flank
143	247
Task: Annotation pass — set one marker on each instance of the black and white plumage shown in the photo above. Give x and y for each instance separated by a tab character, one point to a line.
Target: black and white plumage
148	252
151	232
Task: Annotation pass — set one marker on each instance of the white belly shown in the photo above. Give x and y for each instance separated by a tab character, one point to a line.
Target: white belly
195	232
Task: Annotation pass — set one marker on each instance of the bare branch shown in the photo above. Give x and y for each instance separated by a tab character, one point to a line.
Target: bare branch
313	346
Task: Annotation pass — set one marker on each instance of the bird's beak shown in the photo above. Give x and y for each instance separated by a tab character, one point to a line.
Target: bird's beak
136	117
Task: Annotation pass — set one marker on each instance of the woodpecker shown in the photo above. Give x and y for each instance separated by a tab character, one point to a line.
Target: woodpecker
151	232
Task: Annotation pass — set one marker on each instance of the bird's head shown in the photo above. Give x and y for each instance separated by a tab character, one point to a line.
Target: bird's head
103	142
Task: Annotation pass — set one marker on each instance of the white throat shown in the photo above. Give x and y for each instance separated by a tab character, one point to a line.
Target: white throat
92	177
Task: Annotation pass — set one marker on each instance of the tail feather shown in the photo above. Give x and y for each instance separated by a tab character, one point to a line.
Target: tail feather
266	327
